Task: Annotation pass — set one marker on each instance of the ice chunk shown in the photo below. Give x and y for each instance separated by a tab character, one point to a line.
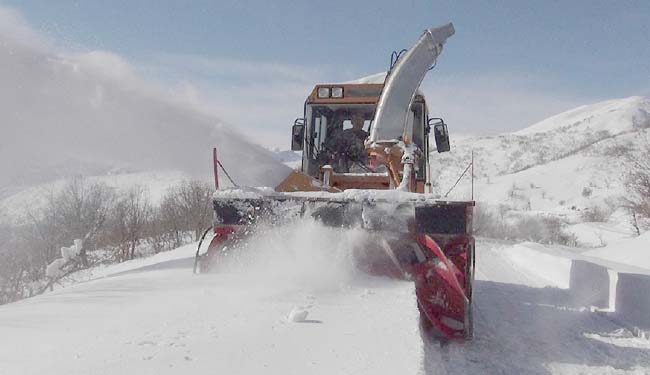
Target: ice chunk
298	314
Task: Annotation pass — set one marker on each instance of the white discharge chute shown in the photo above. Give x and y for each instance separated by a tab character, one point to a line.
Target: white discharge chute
391	118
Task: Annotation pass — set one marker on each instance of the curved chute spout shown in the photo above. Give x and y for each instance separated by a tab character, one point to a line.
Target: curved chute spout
390	122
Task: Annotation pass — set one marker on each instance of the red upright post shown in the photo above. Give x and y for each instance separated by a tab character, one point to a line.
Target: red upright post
215	163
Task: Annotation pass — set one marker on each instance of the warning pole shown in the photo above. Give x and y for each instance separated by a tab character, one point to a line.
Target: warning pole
215	163
472	174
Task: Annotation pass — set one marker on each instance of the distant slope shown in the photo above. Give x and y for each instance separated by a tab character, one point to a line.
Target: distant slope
569	161
63	115
614	116
156	184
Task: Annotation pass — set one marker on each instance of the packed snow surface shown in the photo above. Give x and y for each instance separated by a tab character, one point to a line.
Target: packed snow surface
284	307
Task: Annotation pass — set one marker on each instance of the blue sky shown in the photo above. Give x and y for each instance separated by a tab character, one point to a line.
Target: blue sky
511	63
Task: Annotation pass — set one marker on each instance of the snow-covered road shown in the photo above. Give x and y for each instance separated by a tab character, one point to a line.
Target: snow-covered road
522	327
170	321
162	320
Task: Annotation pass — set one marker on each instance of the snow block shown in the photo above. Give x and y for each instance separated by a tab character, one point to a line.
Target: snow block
589	284
633	299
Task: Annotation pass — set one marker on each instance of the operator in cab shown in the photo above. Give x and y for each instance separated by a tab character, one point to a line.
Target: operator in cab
357	129
348	145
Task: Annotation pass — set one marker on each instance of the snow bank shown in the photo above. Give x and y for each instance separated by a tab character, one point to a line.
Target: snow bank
633	287
589	284
633	299
608	281
556	270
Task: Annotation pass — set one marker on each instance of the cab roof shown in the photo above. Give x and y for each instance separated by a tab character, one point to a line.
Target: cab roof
352	93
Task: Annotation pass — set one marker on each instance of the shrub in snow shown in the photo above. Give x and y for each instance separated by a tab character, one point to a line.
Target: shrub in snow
597	214
495	223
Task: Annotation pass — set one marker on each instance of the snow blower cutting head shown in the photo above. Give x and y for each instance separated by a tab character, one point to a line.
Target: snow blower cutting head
365	164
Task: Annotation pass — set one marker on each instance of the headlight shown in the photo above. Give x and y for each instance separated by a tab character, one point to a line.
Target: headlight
337	92
323	92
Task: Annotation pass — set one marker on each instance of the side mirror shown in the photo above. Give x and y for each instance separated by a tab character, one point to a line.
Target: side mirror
440	133
297	134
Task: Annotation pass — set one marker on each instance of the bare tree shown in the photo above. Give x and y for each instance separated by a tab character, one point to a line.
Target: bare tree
80	210
21	265
94	213
129	219
638	184
194	200
170	222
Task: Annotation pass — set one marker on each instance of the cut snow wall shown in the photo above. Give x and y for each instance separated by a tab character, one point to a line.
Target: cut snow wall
589	284
633	299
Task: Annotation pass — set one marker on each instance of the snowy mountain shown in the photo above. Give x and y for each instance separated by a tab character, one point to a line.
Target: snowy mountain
567	162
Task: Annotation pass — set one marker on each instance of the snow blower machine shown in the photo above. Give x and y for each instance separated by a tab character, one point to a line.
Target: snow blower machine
365	164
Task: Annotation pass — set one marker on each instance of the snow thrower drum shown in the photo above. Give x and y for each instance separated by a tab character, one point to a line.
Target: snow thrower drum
428	242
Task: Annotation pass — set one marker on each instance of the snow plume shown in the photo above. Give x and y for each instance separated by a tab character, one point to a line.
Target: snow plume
88	113
300	255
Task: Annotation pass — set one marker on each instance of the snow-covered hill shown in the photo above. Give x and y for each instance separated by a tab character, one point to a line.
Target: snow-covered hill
568	162
156	184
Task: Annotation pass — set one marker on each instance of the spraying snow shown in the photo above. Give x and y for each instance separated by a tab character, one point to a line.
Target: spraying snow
88	113
301	255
